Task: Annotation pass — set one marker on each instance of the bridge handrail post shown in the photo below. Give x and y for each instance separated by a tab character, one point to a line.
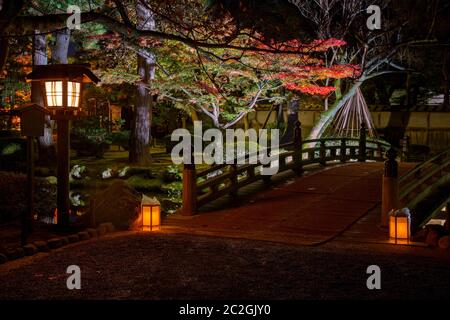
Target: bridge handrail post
405	148
343	151
322	153
189	196
298	143
362	156
389	193
380	151
234	179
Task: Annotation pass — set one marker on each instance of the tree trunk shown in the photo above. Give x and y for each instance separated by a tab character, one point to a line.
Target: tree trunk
141	125
46	145
280	113
61	48
293	107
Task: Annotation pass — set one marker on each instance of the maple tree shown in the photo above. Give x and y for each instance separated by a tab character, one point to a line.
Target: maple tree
227	59
225	84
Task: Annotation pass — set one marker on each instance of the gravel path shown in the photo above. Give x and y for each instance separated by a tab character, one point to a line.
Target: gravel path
176	266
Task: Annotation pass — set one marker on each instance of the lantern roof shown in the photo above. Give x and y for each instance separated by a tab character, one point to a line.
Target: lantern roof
74	72
401	213
149	201
30	106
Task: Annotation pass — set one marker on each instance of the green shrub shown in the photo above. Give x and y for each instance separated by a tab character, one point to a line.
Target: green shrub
173	189
172	173
121	138
11	149
89	139
143	184
13	154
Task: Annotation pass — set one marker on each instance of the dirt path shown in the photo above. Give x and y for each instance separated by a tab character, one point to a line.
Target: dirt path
175	266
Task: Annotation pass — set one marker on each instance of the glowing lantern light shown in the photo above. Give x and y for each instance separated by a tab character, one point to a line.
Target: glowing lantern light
151	214
400	225
62	84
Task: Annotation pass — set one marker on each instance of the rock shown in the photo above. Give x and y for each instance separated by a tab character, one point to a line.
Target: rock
20	253
65	241
107	174
102	230
432	238
42	246
444	243
30	249
438	228
3	258
52	180
108	226
92	232
421	235
55	243
118	204
123	172
83	235
16	254
73	238
77	171
76	199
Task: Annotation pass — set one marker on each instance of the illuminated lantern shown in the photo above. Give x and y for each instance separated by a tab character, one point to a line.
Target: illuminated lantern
62	85
62	88
151	214
400	224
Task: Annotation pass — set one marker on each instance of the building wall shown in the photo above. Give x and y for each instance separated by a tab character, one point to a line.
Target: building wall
426	128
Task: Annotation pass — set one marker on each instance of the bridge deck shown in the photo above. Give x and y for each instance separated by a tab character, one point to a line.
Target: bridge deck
308	210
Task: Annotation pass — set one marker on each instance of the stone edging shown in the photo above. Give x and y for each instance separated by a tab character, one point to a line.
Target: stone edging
56	243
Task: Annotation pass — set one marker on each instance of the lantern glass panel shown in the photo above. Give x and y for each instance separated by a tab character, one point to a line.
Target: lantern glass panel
156	217
150	218
54	93
399	228
73	94
146	218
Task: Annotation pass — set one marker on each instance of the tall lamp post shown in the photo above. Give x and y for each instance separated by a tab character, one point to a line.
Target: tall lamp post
62	86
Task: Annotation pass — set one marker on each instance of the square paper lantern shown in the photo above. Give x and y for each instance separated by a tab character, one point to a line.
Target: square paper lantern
151	214
400	225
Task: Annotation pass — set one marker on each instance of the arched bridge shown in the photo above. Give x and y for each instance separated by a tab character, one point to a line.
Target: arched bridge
308	208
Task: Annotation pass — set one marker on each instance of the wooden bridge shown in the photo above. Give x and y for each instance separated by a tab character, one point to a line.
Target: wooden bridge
341	181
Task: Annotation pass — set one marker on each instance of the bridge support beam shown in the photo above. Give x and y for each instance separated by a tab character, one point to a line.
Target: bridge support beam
390	194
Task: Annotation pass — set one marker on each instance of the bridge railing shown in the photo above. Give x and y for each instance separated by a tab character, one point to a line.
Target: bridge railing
202	187
415	186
